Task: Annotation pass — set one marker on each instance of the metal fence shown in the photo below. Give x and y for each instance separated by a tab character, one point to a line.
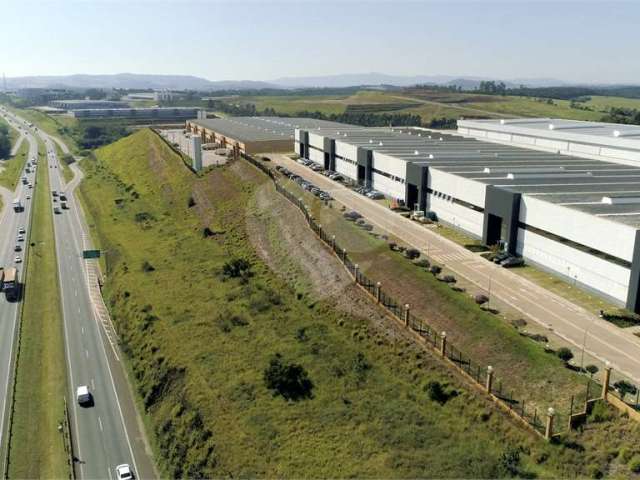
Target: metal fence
475	371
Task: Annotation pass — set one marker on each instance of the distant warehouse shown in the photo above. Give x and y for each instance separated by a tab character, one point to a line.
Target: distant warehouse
178	114
605	141
84	104
574	216
254	134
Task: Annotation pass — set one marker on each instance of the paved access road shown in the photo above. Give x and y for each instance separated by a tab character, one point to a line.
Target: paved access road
110	432
10	312
569	321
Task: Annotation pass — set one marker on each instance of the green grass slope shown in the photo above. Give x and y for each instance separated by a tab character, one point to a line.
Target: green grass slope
198	343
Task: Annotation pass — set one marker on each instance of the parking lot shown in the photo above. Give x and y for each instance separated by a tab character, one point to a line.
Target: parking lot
182	141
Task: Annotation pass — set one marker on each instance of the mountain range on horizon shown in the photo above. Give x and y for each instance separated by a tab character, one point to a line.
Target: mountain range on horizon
190	82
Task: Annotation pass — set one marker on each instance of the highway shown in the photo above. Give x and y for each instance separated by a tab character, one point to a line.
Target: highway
10	222
109	432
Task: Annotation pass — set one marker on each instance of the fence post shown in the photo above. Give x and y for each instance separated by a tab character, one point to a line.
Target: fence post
607	379
489	383
443	344
406	314
333	242
320	230
378	291
355	273
344	255
548	432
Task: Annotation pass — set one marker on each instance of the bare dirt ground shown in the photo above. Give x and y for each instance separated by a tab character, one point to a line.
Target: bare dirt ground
298	255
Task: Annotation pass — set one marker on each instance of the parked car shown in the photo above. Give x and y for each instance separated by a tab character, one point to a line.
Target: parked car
512	262
500	257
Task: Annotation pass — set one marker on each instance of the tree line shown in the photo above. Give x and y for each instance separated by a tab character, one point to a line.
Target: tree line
5	142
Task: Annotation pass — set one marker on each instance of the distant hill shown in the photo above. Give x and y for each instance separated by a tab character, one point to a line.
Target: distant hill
346	80
133	80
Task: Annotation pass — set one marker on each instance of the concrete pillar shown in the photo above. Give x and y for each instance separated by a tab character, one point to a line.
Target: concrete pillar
489	383
355	272
196	147
548	432
443	344
607	379
406	314
378	290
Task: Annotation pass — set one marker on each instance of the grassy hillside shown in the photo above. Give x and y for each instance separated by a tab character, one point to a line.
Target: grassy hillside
437	104
199	336
11	169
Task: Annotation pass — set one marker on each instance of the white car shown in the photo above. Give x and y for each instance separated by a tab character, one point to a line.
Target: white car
18	259
22	230
83	395
124	472
20	238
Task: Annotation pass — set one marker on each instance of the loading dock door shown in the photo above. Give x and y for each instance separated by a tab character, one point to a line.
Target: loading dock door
361	175
412	196
494	230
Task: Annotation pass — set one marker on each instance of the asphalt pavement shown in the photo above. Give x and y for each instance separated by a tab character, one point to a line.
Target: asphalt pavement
109	432
10	222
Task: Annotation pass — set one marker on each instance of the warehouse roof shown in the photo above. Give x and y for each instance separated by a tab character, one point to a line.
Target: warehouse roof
596	187
595	133
255	129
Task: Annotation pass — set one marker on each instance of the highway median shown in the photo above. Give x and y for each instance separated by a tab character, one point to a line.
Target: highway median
37	446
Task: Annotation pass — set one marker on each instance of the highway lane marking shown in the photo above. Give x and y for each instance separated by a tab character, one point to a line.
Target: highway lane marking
100	424
82	330
93	384
86	352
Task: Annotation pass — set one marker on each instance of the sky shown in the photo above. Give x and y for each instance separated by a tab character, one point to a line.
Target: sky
576	41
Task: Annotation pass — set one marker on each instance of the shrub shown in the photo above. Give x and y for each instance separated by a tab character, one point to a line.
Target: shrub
625	454
625	388
235	268
436	392
393	246
565	354
435	269
480	299
634	464
147	267
600	413
422	263
592	369
290	381
411	253
143	217
449	279
191	202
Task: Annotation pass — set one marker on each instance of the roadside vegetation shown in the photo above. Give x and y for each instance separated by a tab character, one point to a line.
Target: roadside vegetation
37	447
7	138
242	371
11	169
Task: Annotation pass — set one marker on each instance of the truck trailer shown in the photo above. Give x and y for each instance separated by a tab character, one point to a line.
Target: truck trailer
10	284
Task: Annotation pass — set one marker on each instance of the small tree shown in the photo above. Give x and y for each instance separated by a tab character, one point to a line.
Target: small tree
436	392
564	354
481	299
291	381
625	388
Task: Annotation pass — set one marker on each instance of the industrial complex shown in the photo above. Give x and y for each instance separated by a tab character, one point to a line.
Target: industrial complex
154	113
254	134
574	215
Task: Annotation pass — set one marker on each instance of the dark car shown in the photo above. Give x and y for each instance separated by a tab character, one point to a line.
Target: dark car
512	262
500	257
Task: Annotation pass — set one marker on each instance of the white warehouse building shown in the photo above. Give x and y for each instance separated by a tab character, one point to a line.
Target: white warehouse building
602	141
573	216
